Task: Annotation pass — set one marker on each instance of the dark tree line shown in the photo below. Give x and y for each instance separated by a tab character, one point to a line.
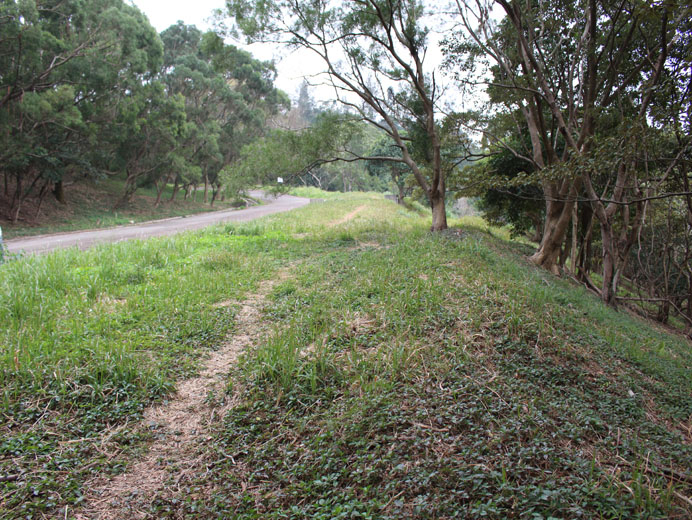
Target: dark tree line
89	89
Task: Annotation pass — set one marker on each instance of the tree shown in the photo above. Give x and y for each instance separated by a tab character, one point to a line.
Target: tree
374	54
61	65
574	71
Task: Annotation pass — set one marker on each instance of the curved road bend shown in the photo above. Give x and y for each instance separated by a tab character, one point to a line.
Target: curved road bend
170	226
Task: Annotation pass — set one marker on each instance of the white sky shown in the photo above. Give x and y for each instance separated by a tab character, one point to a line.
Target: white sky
164	13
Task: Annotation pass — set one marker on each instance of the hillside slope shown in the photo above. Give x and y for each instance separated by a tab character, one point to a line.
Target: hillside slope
90	205
396	374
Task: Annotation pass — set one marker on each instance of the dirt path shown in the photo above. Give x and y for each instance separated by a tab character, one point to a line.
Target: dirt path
346	218
170	226
181	425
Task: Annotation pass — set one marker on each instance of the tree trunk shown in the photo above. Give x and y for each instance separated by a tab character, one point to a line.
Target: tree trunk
575	228
159	191
610	278
59	192
176	187
206	189
688	329
537	227
41	196
586	222
557	218
130	189
16	201
439	213
214	194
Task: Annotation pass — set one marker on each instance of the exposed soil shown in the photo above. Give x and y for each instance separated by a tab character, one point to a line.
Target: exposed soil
180	426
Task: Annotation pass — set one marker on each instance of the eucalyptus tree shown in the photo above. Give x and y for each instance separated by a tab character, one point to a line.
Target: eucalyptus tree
374	56
245	108
60	63
228	96
580	76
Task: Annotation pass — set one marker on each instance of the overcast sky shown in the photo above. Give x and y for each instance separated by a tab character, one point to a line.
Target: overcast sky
164	13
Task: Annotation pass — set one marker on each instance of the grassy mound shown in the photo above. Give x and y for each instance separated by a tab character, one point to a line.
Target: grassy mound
406	375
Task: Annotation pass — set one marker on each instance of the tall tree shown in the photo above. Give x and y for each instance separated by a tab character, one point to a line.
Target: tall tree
570	70
60	65
374	56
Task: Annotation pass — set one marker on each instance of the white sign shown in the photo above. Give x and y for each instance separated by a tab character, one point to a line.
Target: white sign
280	180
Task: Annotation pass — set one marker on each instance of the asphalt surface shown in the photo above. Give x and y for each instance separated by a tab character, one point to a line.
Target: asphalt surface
155	228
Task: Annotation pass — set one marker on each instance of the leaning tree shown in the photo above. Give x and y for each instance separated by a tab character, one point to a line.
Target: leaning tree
581	77
374	57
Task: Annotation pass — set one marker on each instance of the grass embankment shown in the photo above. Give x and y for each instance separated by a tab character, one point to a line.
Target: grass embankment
90	206
406	375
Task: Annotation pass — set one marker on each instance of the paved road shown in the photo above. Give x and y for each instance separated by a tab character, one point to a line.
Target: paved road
170	226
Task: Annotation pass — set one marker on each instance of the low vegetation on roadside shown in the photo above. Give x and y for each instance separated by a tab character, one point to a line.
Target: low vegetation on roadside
91	207
406	375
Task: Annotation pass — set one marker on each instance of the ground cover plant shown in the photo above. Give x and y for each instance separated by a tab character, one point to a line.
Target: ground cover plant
404	375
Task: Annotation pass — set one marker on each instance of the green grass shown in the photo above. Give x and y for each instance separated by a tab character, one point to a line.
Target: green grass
405	375
311	192
90	206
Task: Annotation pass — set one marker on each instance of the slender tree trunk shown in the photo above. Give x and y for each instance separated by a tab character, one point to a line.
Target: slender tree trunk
688	329
609	286
159	191
59	192
130	189
575	229
41	196
586	222
206	189
176	187
16	200
214	194
537	227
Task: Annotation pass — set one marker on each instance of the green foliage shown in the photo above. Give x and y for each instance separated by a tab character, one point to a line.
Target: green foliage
291	154
62	66
91	89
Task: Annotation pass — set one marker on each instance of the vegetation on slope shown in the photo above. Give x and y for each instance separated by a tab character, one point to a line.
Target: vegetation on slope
407	375
91	206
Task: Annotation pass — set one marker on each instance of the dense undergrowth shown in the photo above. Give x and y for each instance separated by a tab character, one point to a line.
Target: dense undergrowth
406	375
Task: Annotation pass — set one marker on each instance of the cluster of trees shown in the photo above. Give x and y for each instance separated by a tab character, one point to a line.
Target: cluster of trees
302	147
90	89
585	133
589	114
